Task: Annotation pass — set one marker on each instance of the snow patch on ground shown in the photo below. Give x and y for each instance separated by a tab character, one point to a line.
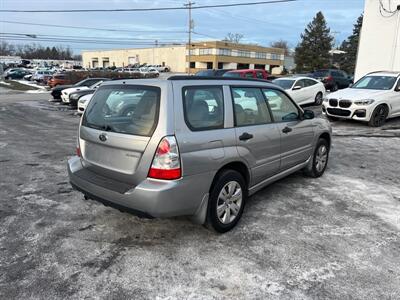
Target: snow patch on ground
4	83
30	83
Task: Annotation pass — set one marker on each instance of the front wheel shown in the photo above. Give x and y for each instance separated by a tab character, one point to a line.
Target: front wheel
227	200
379	116
319	161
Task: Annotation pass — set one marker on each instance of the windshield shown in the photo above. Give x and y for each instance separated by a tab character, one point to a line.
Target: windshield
286	84
231	74
93	86
124	109
375	83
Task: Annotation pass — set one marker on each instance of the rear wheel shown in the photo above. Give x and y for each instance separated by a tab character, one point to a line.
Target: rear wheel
318	99
379	116
227	200
319	161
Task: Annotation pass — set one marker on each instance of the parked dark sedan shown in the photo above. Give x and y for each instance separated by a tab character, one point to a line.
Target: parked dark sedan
17	74
56	91
333	79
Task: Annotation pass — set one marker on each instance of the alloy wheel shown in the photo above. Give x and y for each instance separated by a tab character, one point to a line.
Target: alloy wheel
380	116
318	99
229	202
321	158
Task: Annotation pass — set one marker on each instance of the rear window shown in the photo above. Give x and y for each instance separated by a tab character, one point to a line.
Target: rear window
59	76
203	107
124	109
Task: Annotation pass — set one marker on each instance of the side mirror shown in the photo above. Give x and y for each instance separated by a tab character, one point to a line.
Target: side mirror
308	114
297	87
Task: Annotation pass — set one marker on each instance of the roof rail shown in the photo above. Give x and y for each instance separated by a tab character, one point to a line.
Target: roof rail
188	77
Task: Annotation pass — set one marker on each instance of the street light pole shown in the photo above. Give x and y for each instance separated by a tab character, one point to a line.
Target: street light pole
190	27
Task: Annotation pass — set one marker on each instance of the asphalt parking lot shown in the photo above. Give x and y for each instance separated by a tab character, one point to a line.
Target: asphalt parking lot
335	237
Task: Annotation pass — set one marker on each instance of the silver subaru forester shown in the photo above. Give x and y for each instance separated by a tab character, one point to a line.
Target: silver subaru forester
193	146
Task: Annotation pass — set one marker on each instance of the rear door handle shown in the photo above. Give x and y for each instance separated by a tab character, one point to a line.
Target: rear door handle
287	129
245	136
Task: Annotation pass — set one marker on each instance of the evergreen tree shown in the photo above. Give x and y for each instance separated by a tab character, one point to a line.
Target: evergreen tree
313	51
347	61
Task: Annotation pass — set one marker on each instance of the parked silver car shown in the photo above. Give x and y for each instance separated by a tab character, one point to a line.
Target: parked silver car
193	146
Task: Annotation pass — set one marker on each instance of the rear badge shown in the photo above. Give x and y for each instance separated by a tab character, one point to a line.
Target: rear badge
103	137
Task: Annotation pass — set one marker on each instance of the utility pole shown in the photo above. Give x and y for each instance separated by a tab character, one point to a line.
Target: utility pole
190	28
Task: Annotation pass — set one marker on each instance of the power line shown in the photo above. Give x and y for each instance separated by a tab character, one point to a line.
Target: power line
86	37
92	28
84	41
144	9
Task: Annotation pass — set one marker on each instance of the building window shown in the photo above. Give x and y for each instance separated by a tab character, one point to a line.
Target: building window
226	52
275	56
206	51
192	65
261	55
244	53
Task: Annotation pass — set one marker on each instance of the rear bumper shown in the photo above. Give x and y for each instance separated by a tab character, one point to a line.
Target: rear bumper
150	198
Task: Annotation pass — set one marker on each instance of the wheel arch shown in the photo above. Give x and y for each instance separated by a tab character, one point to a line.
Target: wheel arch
326	136
237	166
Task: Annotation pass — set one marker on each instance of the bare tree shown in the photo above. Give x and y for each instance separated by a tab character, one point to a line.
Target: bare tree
281	44
234	37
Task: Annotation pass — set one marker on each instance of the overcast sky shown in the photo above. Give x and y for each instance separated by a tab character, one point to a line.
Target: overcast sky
260	24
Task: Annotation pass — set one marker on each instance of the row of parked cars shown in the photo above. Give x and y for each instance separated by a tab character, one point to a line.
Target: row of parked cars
78	94
373	99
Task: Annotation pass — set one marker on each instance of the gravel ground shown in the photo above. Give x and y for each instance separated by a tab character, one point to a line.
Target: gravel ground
336	237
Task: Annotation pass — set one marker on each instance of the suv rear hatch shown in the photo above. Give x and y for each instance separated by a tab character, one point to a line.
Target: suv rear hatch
115	131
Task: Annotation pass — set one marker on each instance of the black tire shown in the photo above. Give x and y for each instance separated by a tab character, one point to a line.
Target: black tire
335	87
319	98
379	115
312	169
223	179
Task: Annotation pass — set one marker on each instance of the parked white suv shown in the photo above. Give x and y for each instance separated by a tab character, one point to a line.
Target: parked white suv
373	99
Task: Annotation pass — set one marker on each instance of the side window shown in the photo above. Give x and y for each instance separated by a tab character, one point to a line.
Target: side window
250	107
249	75
283	109
259	74
203	107
300	82
310	82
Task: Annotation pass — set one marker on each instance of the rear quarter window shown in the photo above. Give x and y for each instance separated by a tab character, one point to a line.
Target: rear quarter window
203	107
124	109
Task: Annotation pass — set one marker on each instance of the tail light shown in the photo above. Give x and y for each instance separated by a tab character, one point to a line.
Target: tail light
78	151
166	162
329	78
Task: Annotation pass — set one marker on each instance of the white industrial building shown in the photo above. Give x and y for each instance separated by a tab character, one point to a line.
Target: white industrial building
379	47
